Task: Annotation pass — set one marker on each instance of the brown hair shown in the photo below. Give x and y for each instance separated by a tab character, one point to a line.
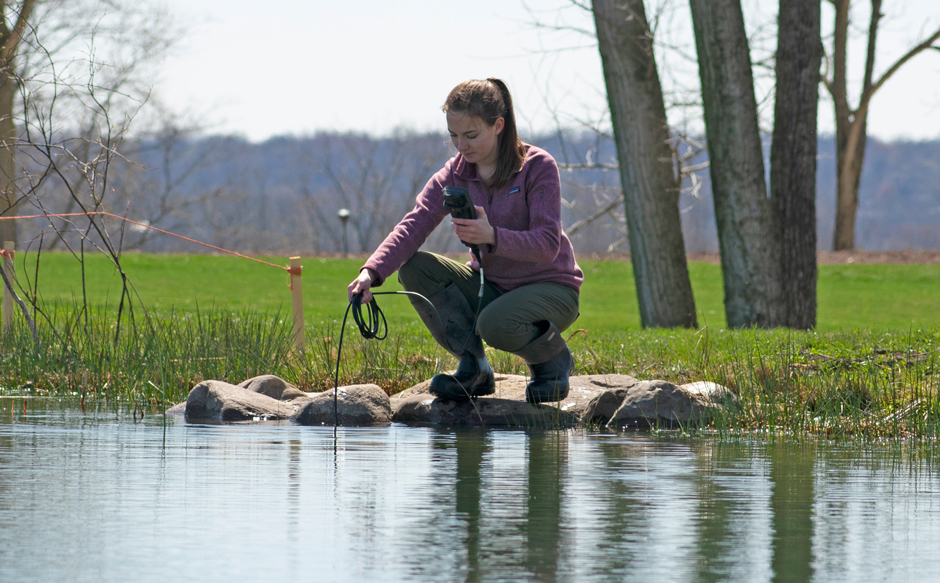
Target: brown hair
490	100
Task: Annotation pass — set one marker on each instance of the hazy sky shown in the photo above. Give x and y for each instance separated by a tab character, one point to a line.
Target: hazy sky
299	66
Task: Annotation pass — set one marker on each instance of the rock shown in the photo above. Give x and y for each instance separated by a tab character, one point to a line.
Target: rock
505	408
602	408
217	401
356	405
274	387
604	382
424	408
178	409
608	394
709	390
663	404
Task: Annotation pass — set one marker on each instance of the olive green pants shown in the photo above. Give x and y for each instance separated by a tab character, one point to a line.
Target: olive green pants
507	318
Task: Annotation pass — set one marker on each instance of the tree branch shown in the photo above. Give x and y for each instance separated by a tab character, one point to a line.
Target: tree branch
20	303
927	44
585	222
590	166
872	40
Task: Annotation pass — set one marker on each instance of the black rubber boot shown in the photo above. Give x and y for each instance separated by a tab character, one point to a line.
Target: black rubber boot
550	363
474	376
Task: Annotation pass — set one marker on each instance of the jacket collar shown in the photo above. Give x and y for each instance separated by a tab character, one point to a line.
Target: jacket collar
468	170
463	169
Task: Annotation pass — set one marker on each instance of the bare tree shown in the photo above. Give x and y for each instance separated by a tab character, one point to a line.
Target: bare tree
747	230
376	179
77	88
793	156
79	72
650	192
152	181
852	123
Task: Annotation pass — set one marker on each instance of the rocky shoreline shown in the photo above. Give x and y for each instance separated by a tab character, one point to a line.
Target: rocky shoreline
614	401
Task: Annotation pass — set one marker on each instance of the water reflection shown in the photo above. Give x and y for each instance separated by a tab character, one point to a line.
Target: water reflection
717	469
118	501
471	447
547	457
791	472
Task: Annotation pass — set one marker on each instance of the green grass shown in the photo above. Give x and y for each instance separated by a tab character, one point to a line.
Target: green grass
872	367
186	283
881	297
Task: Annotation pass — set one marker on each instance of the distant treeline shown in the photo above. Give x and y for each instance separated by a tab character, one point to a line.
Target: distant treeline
284	194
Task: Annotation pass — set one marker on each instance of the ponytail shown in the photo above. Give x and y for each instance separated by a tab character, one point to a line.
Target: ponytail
511	151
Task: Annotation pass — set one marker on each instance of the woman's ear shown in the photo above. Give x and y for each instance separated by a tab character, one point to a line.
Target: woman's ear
500	124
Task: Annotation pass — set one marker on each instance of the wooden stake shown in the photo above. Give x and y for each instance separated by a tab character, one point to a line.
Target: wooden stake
297	301
7	297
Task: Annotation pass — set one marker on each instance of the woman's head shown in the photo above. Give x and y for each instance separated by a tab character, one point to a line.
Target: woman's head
488	105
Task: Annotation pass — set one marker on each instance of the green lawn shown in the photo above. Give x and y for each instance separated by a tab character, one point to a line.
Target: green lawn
888	297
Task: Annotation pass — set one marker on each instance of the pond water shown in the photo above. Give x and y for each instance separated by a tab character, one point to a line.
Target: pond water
94	496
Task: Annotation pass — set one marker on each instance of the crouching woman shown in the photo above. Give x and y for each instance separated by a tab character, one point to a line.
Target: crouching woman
532	281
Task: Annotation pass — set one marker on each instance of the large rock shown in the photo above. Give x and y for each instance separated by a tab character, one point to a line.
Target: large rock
607	393
505	408
356	405
218	401
274	387
663	404
424	408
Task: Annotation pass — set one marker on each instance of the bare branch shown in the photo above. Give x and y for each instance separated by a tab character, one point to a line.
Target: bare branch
927	44
590	166
876	16
585	222
20	303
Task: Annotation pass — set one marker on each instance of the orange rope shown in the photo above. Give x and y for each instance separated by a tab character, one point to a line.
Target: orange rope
294	271
102	213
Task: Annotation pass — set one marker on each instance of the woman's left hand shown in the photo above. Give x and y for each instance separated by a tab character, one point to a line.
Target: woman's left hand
477	231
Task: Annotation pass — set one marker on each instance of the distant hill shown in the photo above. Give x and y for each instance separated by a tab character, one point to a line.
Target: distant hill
284	194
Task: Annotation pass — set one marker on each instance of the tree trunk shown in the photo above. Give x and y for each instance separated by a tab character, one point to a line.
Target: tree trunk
850	150
9	42
8	192
849	163
743	211
852	125
650	195
793	156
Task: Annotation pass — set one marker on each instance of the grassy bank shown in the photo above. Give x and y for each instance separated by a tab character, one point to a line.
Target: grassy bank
860	382
873	367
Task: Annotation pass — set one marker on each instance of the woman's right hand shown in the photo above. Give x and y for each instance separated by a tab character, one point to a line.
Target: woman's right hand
361	285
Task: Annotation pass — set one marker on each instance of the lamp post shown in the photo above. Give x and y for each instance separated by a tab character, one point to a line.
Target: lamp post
344	218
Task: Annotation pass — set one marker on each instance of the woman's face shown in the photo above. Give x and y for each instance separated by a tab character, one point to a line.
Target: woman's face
476	141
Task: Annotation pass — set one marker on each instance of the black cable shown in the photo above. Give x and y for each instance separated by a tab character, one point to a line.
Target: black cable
370	328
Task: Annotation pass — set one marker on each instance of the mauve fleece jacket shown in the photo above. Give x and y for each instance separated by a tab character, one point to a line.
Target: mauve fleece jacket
525	214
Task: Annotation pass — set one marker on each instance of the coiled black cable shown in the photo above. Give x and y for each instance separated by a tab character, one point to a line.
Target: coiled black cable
373	326
374	322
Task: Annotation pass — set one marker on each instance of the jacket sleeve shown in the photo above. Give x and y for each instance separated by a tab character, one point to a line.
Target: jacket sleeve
414	228
542	241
